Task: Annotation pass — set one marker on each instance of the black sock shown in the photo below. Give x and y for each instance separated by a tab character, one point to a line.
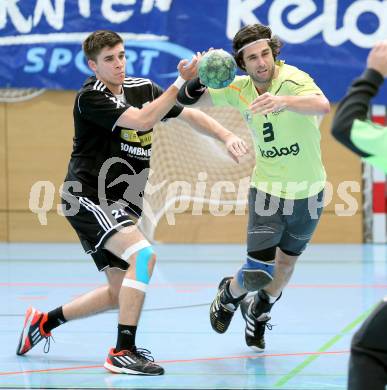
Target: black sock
126	337
262	303
228	297
54	319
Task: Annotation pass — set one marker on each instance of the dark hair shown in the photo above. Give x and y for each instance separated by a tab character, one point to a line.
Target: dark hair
251	33
98	40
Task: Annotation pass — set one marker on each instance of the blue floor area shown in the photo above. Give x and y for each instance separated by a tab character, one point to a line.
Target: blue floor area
332	289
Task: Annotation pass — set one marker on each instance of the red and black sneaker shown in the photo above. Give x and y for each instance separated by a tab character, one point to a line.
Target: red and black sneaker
136	361
33	332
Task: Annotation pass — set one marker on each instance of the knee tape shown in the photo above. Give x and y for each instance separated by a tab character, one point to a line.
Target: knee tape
255	274
144	254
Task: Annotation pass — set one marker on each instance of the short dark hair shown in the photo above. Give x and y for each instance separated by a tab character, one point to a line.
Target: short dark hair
251	33
98	40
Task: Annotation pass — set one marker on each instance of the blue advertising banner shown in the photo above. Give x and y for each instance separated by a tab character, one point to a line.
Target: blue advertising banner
40	40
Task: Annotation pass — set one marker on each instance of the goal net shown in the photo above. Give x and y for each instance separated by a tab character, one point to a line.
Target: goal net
193	172
17	95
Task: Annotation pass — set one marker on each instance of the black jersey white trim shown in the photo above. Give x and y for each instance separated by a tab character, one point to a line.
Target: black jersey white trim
79	107
99	86
93	127
136	82
135	79
135	85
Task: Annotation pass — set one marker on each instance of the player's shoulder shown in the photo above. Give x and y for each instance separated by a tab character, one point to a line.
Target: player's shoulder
136	82
240	83
291	72
92	84
91	91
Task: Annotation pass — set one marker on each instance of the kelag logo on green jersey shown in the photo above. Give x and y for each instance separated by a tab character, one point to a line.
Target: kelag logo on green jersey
284	151
248	116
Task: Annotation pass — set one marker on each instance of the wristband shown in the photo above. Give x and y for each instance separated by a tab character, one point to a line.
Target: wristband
191	92
179	82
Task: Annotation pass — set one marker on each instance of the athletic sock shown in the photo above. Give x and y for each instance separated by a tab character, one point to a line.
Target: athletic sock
271	298
229	300
263	303
229	292
126	337
54	319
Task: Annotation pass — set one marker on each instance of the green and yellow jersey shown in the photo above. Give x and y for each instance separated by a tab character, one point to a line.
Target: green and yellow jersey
287	144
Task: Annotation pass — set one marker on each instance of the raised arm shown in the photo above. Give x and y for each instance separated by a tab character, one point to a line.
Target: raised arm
193	93
356	102
145	118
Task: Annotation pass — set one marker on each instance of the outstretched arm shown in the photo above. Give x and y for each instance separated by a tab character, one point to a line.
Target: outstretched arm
193	93
355	103
203	123
355	106
145	118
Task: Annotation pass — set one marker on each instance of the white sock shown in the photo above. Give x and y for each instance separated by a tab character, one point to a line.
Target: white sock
235	294
271	298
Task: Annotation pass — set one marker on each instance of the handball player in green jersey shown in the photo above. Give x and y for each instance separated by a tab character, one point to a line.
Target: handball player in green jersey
280	104
368	362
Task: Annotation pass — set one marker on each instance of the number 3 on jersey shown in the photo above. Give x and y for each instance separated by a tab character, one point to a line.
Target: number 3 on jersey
268	132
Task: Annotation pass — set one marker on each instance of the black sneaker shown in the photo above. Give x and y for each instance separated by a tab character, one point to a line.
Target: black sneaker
33	332
137	361
223	307
256	312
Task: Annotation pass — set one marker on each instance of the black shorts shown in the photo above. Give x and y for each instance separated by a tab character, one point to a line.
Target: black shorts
368	362
94	223
283	223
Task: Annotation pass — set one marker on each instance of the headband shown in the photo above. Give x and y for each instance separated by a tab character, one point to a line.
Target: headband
252	43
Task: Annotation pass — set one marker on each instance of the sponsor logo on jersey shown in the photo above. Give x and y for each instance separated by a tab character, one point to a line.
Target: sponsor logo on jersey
284	151
248	116
132	136
136	150
116	101
277	112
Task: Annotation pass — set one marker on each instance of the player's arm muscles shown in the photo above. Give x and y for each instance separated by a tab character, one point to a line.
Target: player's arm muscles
355	106
194	94
308	104
145	118
204	124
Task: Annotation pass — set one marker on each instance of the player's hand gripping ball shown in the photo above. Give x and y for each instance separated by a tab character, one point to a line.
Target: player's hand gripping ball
217	69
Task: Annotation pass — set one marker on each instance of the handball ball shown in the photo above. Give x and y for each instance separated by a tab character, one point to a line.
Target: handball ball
217	69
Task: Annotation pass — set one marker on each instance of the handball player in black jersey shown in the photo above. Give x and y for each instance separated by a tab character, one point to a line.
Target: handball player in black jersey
114	116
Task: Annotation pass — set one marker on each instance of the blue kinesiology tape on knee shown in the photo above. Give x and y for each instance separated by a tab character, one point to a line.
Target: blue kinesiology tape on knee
144	256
